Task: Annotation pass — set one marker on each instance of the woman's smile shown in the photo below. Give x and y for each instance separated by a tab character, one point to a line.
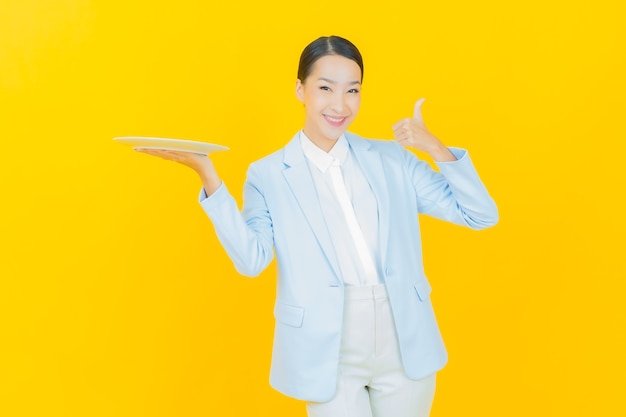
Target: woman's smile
334	120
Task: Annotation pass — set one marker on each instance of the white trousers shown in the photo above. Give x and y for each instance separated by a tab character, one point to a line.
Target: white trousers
372	382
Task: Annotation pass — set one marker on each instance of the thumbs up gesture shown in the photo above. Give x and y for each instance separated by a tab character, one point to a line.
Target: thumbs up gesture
412	132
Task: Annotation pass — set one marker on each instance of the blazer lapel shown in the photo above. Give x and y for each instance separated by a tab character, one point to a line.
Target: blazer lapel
371	164
299	178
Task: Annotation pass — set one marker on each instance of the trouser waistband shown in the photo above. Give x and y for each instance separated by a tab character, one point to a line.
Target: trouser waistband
368	292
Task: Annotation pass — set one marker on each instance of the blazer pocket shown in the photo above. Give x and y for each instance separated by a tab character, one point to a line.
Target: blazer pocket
423	290
289	315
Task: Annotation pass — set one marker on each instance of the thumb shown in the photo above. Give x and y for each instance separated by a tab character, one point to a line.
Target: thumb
417	112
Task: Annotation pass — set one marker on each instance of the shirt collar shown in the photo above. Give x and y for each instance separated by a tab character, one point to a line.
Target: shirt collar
321	159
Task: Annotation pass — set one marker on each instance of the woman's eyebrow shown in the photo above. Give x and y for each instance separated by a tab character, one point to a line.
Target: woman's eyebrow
334	82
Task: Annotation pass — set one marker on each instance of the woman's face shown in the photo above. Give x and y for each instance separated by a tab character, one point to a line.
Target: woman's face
332	97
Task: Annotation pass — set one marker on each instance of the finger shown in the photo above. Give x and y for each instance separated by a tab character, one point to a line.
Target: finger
400	123
154	152
398	134
158	153
402	142
147	151
417	111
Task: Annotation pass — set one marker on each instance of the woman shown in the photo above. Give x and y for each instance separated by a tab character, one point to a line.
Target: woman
355	331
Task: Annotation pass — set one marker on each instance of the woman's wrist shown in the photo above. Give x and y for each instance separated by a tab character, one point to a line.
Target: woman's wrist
440	153
208	175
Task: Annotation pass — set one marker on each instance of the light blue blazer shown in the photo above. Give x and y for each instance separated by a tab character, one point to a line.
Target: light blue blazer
282	215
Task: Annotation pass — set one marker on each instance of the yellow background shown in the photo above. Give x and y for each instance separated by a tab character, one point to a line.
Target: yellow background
116	298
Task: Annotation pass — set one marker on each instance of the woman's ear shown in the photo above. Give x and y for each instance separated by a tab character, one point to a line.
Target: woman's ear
300	90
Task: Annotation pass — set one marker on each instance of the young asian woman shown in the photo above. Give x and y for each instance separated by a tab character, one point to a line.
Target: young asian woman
355	332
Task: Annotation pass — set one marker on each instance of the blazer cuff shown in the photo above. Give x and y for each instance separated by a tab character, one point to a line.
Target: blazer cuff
460	154
463	162
214	200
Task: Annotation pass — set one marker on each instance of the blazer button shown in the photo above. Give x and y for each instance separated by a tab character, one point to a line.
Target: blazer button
388	271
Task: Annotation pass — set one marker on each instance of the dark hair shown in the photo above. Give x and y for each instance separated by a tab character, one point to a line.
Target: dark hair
327	45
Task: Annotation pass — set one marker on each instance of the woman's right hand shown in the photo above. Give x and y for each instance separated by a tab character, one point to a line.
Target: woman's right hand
200	163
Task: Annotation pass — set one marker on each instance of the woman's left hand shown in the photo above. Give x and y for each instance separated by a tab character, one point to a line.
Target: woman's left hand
412	132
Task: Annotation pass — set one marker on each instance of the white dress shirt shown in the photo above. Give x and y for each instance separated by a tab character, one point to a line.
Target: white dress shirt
351	216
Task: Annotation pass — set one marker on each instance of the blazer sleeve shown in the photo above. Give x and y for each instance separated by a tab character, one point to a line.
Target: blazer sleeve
455	194
246	236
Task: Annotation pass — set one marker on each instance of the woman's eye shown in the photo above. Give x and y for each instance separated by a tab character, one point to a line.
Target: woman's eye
353	90
325	88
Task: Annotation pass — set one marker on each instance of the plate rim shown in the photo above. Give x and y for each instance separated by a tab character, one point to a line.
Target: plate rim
171	141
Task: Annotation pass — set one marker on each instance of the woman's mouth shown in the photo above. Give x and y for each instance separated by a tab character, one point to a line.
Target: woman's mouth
335	121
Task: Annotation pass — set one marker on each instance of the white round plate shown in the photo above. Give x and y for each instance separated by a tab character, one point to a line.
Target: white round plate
170	144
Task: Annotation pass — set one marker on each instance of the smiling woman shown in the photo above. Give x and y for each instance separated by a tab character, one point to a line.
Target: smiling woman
340	212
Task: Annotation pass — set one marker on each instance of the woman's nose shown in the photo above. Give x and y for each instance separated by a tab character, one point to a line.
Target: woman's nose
338	103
